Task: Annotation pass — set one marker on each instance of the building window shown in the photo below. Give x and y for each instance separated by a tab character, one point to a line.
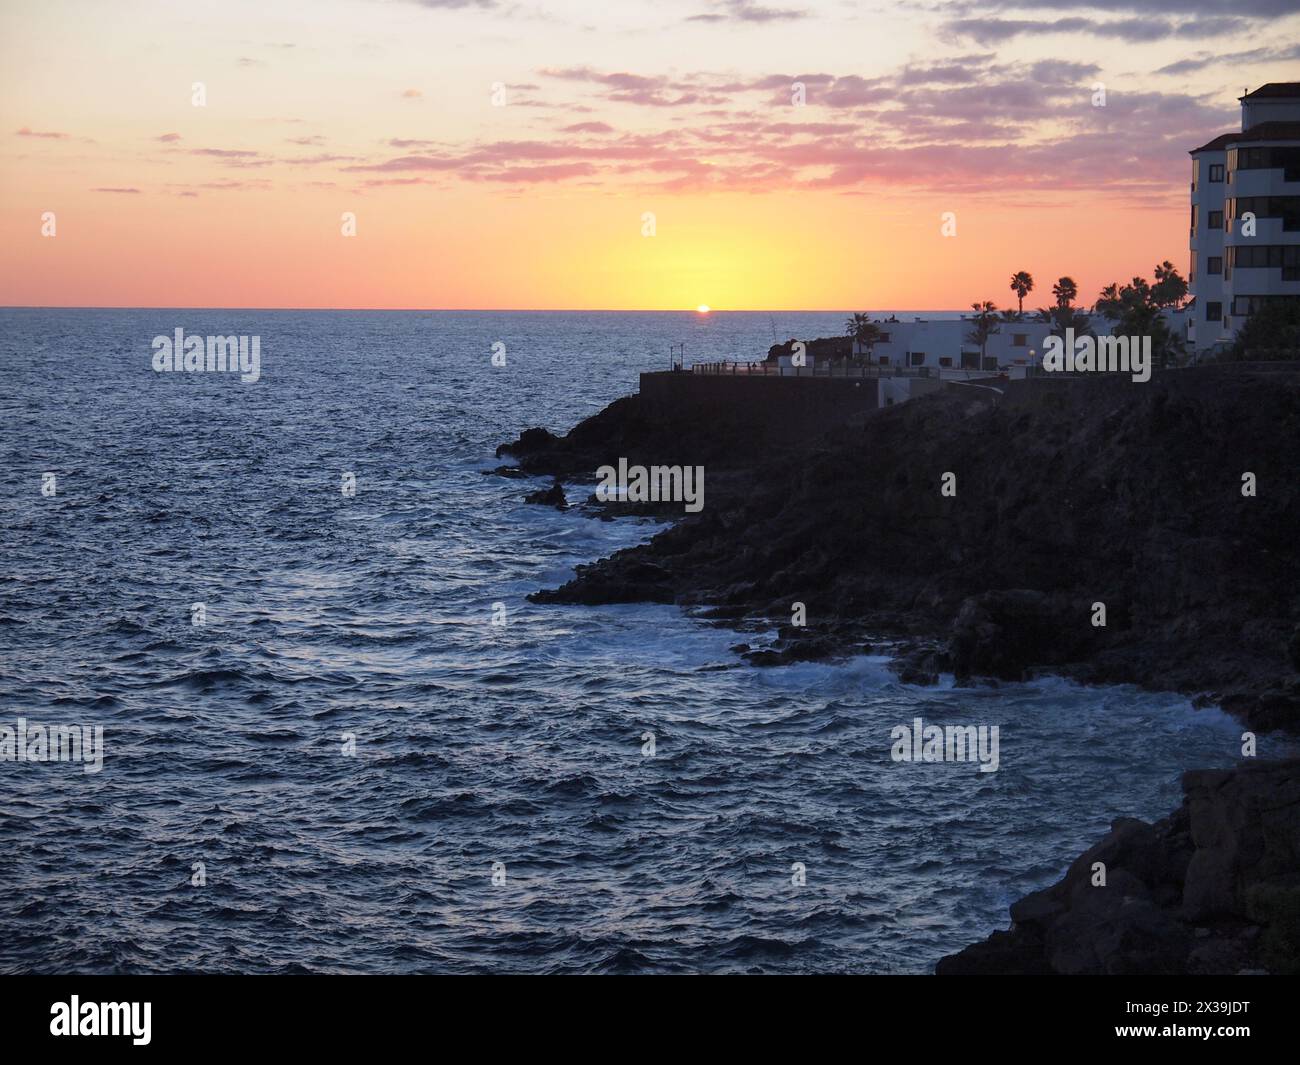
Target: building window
1020	340
1286	208
884	360
1265	257
1248	305
884	338
1214	264
944	360
1213	312
1215	220
918	358
1284	158
1216	172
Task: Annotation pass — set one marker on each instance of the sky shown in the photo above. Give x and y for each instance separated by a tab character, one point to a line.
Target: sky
487	154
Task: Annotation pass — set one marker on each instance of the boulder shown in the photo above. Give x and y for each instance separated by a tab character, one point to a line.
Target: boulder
548	497
1004	634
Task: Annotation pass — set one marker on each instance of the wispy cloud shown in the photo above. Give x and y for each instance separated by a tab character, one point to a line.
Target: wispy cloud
223	153
1176	8
987	31
453	5
1201	60
26	131
969	124
747	11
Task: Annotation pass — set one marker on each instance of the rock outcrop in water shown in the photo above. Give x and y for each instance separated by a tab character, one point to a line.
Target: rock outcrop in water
1068	494
1212	889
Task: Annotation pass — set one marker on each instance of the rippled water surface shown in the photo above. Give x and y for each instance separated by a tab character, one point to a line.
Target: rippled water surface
475	744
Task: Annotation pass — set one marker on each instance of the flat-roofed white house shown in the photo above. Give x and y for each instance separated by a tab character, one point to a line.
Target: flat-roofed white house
942	344
1245	216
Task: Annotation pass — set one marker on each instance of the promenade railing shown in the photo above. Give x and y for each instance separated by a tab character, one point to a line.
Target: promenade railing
837	370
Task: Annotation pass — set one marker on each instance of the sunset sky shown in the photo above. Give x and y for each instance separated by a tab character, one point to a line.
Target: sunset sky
681	108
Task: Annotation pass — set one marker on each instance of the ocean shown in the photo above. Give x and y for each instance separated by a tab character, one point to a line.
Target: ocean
337	738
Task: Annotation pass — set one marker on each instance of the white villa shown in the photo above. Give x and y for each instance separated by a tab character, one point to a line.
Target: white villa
1245	225
941	344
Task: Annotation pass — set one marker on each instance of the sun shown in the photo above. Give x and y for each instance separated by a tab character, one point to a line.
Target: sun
703	308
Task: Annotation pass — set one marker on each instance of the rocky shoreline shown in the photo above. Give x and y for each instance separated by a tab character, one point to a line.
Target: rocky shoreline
1067	495
1212	889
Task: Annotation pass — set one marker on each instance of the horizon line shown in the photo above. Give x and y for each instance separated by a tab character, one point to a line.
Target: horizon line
483	310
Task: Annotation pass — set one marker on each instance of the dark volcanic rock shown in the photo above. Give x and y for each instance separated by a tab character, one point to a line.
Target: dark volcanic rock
803	648
820	350
1067	494
921	665
639	582
549	497
1274	707
530	442
642	432
513	472
1006	633
1213	888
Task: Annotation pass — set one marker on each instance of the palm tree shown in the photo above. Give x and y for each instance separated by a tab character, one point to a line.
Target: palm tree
1022	284
1065	291
985	324
1065	317
862	329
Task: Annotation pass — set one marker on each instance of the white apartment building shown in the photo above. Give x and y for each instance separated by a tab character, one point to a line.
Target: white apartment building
1245	218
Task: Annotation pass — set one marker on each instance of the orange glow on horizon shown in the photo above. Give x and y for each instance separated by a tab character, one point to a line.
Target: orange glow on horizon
630	183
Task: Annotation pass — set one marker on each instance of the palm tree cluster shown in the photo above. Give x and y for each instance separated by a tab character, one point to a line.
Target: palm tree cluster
1136	308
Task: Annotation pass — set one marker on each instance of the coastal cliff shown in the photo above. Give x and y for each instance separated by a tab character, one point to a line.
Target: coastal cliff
1174	503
